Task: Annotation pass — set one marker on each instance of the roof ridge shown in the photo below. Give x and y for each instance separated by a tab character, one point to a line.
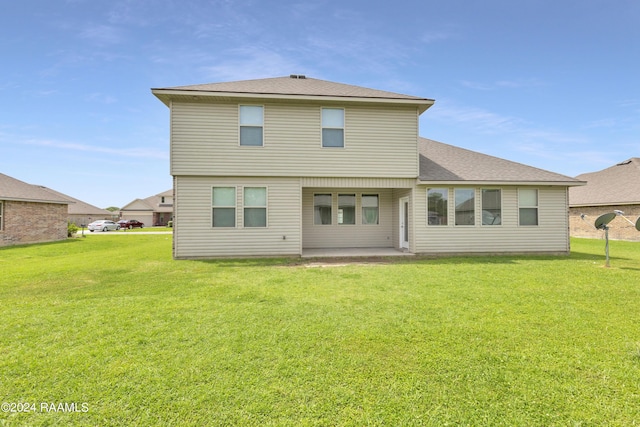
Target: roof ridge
294	85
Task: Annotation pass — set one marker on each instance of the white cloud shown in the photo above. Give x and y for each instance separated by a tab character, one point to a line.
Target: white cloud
500	135
102	98
74	147
475	118
103	34
251	63
436	36
509	84
476	85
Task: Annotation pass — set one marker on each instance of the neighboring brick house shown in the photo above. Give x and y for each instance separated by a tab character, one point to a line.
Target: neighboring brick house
83	213
30	214
156	210
608	190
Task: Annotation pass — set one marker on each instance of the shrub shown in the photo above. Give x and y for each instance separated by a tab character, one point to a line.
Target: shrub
72	229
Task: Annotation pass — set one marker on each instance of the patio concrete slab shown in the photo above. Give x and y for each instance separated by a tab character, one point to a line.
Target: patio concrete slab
352	252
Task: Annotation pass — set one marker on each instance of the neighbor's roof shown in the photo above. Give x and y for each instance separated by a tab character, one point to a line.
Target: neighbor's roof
616	185
78	207
445	163
14	189
294	86
153	203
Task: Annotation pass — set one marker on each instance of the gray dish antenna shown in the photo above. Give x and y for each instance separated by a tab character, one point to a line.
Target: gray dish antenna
603	220
601	224
638	224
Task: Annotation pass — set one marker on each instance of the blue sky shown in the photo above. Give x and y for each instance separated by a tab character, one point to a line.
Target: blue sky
553	84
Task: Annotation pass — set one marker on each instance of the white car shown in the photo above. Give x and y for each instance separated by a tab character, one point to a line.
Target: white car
103	225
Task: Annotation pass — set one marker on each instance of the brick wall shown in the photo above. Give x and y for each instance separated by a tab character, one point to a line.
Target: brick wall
29	222
619	228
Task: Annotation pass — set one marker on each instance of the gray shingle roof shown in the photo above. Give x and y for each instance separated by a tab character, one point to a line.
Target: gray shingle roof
78	207
295	86
615	185
441	162
288	87
14	189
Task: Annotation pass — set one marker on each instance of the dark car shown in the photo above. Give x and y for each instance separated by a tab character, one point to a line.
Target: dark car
130	223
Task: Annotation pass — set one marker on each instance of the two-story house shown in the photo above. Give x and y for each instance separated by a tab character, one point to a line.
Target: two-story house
153	211
282	165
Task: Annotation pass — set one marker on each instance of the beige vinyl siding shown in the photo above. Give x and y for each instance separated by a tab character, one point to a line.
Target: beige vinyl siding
357	182
343	235
551	235
205	138
194	236
397	195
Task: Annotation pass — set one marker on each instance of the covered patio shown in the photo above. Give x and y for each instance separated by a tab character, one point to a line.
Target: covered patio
353	253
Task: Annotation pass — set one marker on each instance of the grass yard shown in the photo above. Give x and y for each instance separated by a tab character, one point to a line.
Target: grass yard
148	230
124	335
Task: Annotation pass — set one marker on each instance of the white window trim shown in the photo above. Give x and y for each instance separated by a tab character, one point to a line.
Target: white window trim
266	206
475	201
1	215
355	208
335	205
325	193
344	126
449	224
537	207
235	221
501	206
360	208
240	126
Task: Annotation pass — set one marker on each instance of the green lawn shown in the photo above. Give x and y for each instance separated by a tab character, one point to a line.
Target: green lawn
147	230
134	338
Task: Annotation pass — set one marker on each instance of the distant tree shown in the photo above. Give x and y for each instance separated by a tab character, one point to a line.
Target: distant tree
112	209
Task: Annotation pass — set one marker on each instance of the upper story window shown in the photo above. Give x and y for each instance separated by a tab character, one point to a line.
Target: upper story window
491	207
437	206
528	206
465	199
251	125
333	127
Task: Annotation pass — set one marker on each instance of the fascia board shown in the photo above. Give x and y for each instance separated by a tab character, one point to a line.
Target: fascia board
507	183
165	95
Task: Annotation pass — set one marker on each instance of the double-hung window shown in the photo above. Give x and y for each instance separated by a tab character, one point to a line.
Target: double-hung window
332	127
346	208
528	206
322	209
465	206
251	124
255	207
370	209
491	207
437	206
224	207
